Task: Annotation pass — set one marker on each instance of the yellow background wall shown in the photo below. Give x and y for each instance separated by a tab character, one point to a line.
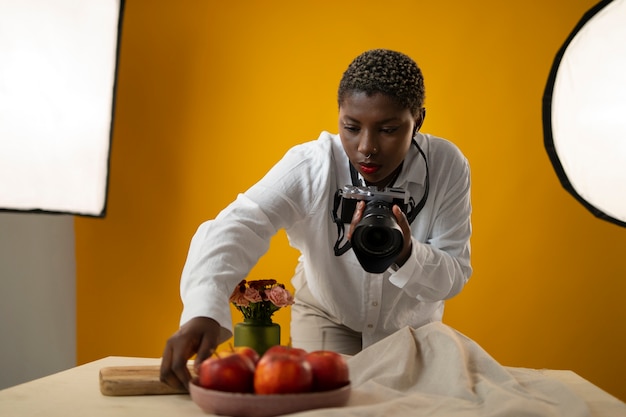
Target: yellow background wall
211	94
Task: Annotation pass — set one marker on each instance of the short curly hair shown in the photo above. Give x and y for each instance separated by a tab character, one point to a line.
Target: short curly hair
388	72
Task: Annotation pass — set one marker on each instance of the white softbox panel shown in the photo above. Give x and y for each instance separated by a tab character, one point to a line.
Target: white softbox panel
584	112
58	65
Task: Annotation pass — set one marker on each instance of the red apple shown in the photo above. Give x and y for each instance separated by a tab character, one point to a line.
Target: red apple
286	350
282	371
247	351
330	370
227	372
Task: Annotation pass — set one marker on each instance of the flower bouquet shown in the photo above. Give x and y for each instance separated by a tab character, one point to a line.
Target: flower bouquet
258	300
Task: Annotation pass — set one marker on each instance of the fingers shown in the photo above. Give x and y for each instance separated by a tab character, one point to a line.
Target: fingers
403	222
205	350
198	336
180	370
166	366
356	218
406	234
171	372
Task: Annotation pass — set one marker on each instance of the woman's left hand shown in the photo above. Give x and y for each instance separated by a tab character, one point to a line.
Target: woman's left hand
403	222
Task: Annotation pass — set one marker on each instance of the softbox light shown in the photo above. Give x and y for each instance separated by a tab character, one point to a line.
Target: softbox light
58	66
584	112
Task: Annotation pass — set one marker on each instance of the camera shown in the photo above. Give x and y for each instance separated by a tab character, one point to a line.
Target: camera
377	238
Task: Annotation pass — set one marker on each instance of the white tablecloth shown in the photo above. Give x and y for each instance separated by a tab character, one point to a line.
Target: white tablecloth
437	371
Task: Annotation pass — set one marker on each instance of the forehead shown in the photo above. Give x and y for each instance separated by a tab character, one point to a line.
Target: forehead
360	105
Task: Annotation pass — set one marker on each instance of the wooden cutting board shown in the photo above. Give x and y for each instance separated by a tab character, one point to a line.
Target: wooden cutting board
135	380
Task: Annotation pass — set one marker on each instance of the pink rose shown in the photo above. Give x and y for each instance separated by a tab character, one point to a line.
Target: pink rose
237	297
252	295
279	296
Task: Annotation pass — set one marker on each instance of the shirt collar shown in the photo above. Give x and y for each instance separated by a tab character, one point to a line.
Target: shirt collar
414	167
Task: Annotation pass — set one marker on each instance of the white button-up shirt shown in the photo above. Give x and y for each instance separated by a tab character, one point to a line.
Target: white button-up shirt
297	195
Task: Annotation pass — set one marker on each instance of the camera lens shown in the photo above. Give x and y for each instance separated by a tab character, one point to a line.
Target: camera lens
377	239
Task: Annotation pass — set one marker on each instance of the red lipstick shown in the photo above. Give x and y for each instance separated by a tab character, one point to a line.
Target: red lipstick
369	168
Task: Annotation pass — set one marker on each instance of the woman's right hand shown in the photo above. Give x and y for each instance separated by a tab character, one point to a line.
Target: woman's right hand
198	336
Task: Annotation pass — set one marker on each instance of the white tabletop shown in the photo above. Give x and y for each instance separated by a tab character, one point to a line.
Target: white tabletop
76	392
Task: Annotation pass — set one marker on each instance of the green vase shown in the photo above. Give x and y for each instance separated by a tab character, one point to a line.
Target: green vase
257	334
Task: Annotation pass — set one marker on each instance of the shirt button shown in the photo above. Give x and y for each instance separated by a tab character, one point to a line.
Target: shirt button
374	303
369	326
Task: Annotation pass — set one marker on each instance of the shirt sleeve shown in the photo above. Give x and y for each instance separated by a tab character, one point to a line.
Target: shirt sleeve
224	250
439	267
216	262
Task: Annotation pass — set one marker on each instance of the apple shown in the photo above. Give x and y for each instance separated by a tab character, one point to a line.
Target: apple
286	350
229	372
247	351
283	371
330	370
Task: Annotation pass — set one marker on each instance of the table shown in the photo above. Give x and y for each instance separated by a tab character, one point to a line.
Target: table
76	392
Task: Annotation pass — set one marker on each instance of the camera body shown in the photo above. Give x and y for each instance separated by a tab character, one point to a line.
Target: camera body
352	194
377	238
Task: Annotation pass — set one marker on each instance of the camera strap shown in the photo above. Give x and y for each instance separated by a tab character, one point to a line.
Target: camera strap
412	213
414	210
340	226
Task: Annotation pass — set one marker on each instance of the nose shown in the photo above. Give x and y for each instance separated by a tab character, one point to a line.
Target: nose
368	142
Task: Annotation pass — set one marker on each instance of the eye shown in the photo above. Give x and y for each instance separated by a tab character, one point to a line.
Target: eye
389	129
351	128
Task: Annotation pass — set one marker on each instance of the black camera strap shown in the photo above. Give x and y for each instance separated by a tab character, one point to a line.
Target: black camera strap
415	209
340	226
412	213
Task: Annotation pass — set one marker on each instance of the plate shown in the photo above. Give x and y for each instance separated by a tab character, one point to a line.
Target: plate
253	405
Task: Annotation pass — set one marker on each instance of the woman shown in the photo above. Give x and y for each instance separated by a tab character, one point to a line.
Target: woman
381	97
